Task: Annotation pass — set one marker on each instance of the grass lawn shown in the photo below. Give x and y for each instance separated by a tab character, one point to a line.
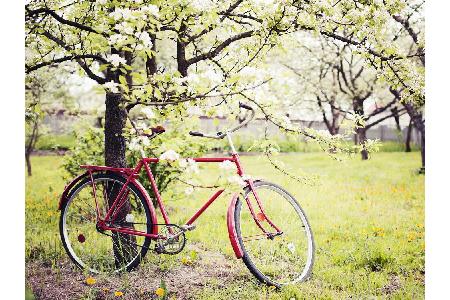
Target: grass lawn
367	218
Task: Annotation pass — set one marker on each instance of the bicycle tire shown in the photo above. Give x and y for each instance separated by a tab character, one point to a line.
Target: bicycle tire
74	191
247	256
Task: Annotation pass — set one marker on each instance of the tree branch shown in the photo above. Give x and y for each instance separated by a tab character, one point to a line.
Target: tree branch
219	48
62	20
30	69
82	64
384	118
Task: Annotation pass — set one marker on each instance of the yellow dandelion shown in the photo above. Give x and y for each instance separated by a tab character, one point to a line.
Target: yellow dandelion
160	292
118	294
90	280
185	260
411	236
377	231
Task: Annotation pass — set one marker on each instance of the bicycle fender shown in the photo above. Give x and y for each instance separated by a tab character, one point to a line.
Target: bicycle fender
136	183
68	187
231	228
149	203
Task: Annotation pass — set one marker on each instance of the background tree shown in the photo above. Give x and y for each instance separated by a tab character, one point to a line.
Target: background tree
42	91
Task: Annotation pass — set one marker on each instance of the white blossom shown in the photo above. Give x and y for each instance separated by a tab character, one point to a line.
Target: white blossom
246	177
116	14
324	133
170	155
249	72
127	14
226	165
263	2
145	140
285	121
148	112
201	5
134	144
189	190
212	76
102	2
116	39
237	179
193	79
129	218
124	27
120	13
179	80
189	165
152	9
291	247
145	38
192	166
116	60
111	86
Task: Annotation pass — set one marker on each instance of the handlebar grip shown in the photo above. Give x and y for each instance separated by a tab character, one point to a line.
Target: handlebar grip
195	133
158	129
245	106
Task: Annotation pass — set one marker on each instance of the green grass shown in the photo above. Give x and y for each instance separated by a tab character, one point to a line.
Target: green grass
367	218
289	144
55	142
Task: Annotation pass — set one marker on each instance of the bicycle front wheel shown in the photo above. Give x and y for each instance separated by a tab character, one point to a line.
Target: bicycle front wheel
104	251
282	259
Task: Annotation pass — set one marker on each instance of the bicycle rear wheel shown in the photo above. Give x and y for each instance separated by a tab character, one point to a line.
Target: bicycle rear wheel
284	259
103	251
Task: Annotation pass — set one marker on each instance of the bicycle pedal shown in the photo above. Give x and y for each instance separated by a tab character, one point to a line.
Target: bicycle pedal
188	227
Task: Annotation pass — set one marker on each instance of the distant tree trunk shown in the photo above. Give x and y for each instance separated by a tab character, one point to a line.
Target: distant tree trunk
419	123
422	149
408	137
115	146
396	116
361	137
30	145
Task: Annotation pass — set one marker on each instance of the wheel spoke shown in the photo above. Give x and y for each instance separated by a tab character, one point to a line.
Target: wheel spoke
281	259
92	249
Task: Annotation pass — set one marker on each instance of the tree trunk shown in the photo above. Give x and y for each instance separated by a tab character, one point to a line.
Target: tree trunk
408	137
27	159
419	123
361	136
115	146
422	149
30	145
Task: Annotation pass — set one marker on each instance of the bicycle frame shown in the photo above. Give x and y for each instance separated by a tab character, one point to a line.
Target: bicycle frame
144	162
132	173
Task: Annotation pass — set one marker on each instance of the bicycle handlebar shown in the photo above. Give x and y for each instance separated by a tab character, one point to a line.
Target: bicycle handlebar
221	135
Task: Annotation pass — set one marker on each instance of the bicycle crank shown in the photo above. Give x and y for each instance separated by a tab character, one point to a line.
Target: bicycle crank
172	239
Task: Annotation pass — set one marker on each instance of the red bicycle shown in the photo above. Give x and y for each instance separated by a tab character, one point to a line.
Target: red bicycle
108	220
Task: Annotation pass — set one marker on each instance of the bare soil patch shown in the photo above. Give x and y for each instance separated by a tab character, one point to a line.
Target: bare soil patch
64	281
